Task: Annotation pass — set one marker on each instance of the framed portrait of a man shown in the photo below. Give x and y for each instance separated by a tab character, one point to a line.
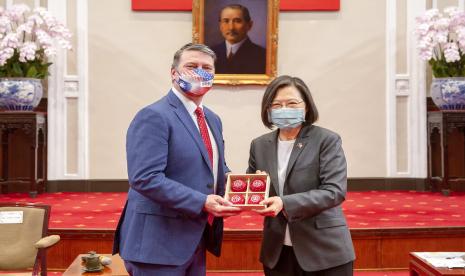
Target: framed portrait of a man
243	34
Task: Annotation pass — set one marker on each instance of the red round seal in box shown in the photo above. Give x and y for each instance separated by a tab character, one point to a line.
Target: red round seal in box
237	199
238	185
258	185
255	199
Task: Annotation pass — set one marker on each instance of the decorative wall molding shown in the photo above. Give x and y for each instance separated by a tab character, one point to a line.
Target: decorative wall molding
71	88
411	86
402	86
391	138
62	88
417	121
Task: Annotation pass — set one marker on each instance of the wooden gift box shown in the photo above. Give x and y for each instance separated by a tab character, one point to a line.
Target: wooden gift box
247	193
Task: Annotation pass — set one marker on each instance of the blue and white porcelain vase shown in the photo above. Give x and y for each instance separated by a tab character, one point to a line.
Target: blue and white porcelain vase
20	93
448	93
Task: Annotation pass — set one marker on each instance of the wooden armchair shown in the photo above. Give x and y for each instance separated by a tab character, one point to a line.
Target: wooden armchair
23	240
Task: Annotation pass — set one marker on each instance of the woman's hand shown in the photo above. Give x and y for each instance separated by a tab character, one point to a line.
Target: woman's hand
274	205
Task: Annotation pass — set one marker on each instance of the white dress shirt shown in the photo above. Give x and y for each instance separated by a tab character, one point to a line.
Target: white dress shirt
191	107
233	47
284	153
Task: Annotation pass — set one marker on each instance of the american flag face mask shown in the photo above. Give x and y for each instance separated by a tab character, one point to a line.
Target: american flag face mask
195	82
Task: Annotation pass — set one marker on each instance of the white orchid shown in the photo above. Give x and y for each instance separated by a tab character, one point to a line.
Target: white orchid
441	41
27	40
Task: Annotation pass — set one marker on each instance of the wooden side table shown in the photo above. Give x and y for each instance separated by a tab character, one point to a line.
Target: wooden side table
116	268
420	267
33	124
446	150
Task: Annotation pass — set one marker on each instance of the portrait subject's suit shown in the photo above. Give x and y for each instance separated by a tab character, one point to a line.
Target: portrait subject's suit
170	177
314	188
249	59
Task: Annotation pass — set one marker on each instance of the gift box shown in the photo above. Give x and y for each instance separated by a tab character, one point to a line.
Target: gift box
247	190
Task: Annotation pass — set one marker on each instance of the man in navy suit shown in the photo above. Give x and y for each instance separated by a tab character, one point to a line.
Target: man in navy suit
176	169
238	54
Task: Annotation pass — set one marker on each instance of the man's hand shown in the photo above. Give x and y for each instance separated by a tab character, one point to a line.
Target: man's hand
274	205
220	207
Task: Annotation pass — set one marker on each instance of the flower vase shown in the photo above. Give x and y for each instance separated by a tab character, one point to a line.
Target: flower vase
21	94
449	93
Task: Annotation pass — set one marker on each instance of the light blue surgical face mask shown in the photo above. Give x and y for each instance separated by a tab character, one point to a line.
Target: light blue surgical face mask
287	117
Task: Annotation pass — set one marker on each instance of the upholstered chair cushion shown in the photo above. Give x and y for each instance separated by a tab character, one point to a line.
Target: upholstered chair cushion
17	240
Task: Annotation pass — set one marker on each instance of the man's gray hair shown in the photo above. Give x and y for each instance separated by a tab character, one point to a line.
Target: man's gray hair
192	47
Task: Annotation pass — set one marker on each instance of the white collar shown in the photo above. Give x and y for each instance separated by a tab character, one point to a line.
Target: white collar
235	47
188	103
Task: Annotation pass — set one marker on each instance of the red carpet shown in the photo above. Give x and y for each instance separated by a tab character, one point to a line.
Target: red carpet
391	209
372	209
376	209
78	210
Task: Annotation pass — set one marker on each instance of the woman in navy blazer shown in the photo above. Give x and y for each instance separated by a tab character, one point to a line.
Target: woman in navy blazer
305	232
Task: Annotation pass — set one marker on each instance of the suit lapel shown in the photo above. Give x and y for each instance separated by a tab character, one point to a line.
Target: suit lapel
299	146
186	120
222	52
272	157
244	48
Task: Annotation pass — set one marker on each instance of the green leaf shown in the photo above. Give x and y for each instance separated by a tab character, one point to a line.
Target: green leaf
37	68
16	70
32	72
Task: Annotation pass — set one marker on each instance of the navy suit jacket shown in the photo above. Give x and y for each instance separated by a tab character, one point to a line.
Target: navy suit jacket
170	177
249	59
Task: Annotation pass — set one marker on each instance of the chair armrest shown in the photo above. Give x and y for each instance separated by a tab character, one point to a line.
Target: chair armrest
47	241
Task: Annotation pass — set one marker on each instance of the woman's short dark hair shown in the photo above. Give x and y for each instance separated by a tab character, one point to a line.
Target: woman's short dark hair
311	115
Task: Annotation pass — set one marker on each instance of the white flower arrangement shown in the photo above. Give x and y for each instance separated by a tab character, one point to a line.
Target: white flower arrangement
27	41
441	41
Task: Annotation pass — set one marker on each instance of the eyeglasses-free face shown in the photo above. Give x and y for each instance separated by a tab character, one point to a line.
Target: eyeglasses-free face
233	26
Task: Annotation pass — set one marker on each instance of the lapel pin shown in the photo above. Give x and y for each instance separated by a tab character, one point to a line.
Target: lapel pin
299	145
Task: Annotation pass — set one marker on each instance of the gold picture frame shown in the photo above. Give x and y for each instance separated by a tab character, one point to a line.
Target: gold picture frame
263	13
